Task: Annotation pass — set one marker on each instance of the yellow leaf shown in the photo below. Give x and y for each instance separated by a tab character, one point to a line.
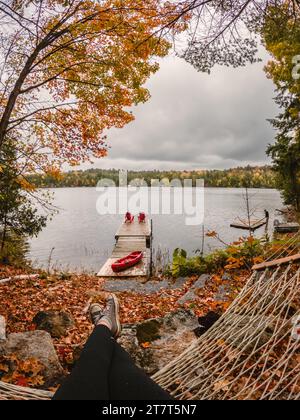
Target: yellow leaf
27	186
221	386
37	380
3	368
258	260
212	234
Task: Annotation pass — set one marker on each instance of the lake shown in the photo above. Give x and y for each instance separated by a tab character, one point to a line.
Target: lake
78	238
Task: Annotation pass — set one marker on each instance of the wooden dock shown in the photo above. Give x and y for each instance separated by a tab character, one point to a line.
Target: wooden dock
286	227
131	237
254	225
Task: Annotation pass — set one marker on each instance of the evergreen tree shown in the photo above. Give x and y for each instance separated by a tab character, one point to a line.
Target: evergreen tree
281	36
18	217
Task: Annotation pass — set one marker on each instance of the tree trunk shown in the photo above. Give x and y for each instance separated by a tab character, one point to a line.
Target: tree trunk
4	234
48	40
15	93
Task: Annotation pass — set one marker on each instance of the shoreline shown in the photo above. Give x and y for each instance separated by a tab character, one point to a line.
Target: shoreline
205	187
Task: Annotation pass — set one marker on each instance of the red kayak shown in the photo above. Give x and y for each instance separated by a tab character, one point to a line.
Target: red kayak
127	262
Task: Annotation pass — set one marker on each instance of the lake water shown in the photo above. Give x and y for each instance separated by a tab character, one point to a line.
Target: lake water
78	238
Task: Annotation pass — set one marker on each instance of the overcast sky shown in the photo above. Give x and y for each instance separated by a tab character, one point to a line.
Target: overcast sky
196	121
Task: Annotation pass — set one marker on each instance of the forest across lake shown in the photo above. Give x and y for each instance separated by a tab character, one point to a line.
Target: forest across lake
249	176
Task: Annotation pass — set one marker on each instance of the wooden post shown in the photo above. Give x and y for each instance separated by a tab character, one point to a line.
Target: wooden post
151	250
281	261
248	211
203	240
2	328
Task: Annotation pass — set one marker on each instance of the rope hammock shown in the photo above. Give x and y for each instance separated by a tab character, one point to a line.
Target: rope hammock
14	392
252	352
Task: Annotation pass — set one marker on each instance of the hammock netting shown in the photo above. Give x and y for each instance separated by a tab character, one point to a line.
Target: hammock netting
251	353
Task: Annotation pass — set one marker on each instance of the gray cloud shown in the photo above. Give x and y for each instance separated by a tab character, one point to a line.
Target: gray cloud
195	120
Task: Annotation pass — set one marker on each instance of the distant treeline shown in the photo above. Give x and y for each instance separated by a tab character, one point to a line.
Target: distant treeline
252	177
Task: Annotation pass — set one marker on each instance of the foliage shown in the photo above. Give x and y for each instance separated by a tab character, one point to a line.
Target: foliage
227	32
281	35
286	158
239	255
18	217
258	177
21	372
70	70
14	251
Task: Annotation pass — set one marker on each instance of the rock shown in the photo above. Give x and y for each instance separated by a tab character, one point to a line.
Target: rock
147	288
206	322
246	334
35	345
188	297
163	339
192	293
54	322
223	293
178	283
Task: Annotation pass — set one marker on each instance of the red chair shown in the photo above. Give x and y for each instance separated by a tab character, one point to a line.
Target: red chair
142	218
129	218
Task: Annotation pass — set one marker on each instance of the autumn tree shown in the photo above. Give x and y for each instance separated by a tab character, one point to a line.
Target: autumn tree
281	35
71	69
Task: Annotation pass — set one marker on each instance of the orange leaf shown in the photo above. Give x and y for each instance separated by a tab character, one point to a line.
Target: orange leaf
212	234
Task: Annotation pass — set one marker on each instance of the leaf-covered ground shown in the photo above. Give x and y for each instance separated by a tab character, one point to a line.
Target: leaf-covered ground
21	300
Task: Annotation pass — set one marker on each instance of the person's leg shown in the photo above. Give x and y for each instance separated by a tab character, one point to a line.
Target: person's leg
128	382
105	371
89	378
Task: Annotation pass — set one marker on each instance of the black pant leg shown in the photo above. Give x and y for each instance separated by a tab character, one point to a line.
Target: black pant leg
128	382
105	371
89	378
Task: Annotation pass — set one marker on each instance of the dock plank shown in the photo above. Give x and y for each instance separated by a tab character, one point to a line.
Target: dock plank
122	250
134	229
245	226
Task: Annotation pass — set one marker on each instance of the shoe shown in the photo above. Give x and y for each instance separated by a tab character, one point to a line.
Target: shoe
109	316
96	313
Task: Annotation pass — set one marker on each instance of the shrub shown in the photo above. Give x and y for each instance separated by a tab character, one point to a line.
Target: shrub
239	255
